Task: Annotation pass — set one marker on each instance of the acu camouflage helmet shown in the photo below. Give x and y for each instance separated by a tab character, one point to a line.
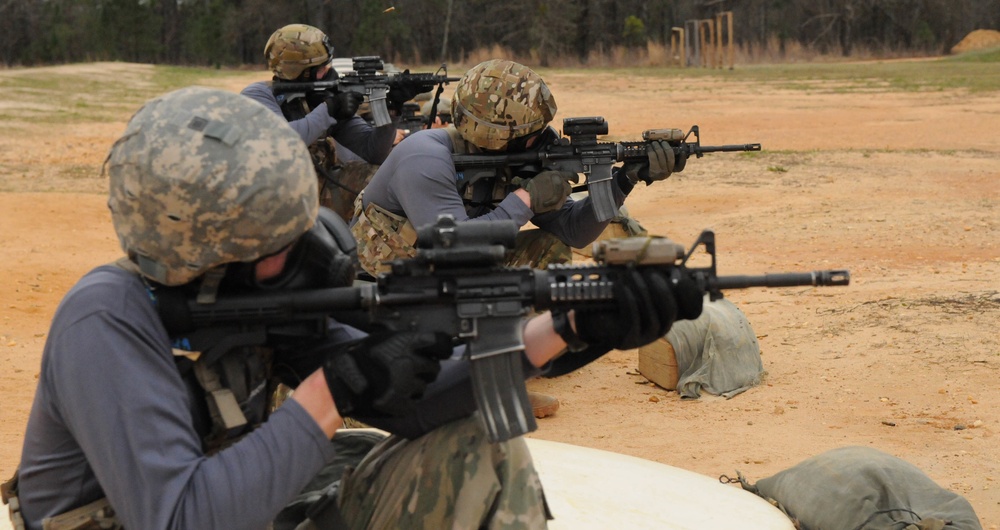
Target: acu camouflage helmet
497	101
204	177
295	48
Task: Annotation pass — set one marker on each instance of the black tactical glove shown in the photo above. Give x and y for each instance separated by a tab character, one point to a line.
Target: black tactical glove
658	166
400	93
645	308
384	374
548	189
343	105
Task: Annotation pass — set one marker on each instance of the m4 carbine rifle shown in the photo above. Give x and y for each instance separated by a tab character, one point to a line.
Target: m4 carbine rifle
368	78
579	151
457	286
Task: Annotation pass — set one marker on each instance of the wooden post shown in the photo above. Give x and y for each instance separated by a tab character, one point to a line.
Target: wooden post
692	41
706	34
678	47
724	38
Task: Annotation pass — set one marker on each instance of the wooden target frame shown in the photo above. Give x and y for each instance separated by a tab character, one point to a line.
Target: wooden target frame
708	41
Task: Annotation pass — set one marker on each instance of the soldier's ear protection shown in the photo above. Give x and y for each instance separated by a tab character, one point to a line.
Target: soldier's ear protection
325	256
310	74
533	140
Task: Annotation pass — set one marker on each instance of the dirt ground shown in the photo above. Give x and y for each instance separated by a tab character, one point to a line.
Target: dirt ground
901	188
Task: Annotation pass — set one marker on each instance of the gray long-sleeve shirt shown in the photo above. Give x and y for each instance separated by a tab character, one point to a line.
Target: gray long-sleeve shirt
418	181
370	143
113	417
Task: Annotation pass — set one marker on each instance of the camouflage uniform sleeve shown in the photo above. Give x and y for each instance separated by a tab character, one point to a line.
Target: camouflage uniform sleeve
309	128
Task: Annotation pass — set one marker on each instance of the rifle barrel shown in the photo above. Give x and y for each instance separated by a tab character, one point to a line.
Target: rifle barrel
728	148
784	279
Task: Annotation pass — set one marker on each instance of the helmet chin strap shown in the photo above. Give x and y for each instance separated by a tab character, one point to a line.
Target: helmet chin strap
208	289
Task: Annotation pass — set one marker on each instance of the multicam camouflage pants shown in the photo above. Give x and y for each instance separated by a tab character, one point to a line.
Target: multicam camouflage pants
452	477
538	249
383	236
622	225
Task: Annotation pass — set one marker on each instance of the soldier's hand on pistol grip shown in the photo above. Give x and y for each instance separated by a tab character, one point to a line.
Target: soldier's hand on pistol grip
548	189
658	166
384	374
646	306
343	105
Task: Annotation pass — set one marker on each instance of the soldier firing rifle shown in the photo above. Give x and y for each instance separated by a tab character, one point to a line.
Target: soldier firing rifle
581	152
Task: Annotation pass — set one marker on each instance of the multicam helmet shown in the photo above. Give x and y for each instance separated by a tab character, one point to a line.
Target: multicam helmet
295	48
497	101
204	177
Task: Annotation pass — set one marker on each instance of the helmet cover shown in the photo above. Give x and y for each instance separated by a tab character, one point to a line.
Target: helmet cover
203	177
497	101
295	48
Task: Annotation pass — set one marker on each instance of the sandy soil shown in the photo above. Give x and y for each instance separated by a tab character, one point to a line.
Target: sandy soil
903	189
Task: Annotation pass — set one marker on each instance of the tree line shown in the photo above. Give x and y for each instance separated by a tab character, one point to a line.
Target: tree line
233	32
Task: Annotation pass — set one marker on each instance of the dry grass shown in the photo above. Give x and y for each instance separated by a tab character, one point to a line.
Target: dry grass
657	54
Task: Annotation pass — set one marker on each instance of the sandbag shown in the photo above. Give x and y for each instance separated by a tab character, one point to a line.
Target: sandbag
718	352
861	488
